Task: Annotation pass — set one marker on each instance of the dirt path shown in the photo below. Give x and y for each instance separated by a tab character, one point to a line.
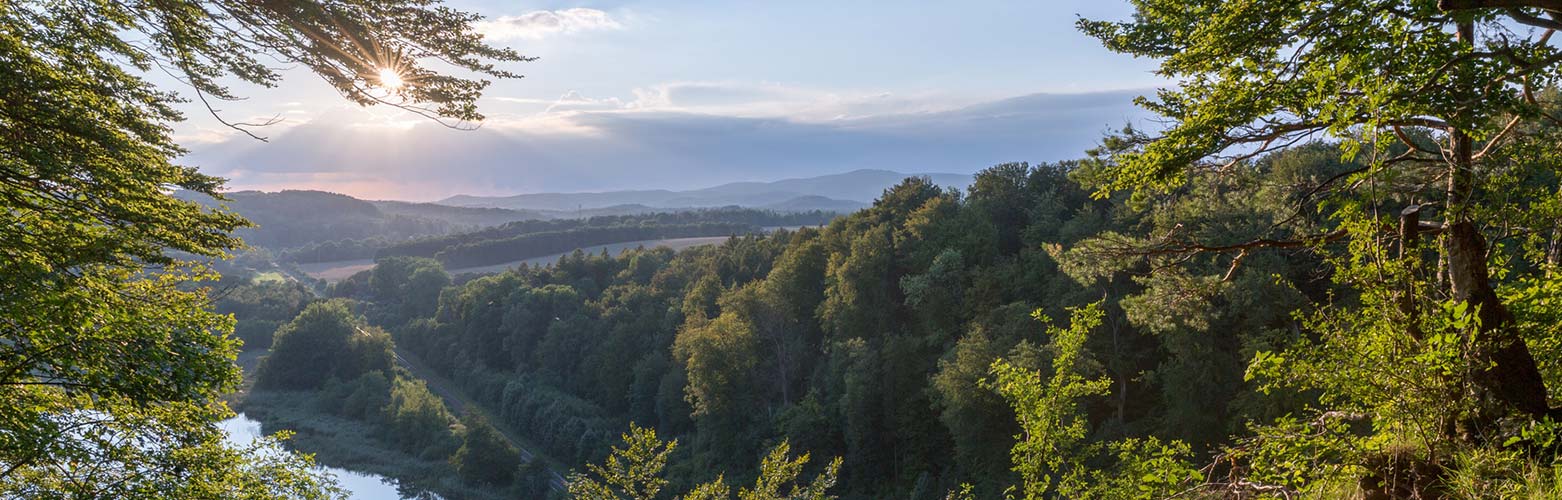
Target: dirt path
456	400
459	402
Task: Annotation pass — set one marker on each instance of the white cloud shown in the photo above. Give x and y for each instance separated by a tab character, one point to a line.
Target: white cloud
542	23
202	136
771	100
542	124
730	99
570	113
550	116
574	101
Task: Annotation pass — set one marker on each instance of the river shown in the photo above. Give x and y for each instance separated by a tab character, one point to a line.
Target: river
358	485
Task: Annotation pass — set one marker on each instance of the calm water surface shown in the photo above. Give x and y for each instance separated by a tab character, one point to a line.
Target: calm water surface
359	485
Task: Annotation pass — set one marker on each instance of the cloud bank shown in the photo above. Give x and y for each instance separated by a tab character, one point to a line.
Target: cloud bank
675	137
540	24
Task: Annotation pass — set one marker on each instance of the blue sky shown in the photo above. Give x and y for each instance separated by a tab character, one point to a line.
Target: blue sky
691	94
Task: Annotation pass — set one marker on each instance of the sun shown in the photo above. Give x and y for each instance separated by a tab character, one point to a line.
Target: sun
390	79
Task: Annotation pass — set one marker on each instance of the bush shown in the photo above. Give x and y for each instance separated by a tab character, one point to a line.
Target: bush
485	456
256	333
534	480
418	421
364	398
323	342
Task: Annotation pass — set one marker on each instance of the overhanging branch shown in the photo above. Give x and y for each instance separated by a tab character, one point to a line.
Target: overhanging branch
1453	5
1181	246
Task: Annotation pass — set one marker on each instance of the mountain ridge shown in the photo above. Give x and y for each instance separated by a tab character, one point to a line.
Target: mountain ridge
833	191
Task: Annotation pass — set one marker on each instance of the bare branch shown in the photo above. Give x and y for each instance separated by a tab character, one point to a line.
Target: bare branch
1496	139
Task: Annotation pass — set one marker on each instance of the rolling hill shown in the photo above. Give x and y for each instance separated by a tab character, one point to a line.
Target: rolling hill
294	218
838	192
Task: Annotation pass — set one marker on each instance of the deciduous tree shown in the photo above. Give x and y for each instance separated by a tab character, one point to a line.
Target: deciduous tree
102	343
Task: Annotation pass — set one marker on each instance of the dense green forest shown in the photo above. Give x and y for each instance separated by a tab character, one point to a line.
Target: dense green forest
869	339
913	339
329	360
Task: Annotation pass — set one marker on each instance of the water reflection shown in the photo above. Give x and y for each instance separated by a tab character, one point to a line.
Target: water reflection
359	486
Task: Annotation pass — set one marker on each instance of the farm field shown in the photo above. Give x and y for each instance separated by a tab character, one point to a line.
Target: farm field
339	270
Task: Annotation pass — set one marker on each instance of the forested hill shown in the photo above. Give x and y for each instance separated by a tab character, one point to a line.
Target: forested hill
535	238
847	190
296	218
463	216
316	226
874	338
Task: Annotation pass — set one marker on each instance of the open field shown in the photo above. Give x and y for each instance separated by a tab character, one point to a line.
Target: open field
339	270
612	249
336	270
270	277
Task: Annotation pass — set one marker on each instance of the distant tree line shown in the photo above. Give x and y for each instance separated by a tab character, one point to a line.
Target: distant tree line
335	250
292	219
499	251
537	238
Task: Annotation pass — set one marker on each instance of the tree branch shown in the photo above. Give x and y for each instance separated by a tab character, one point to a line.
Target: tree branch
1522	17
1495	140
1173	247
1453	5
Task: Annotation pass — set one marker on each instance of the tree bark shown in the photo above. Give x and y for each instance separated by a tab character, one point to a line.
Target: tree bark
1409	250
1503	368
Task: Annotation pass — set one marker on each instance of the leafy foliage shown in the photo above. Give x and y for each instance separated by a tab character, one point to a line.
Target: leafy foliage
485	457
634	473
1402	375
110	365
325	341
1053	456
866	339
630	473
258	308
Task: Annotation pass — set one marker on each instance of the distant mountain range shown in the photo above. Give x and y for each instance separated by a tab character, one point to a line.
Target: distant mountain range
292	219
839	193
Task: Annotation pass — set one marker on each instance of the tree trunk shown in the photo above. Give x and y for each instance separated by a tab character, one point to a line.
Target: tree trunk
1409	249
1503	369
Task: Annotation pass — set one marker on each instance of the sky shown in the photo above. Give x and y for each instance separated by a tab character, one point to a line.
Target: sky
690	94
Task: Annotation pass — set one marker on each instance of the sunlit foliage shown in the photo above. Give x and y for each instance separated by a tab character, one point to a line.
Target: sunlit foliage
110	363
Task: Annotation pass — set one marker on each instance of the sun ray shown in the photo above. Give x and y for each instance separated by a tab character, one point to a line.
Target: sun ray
390	79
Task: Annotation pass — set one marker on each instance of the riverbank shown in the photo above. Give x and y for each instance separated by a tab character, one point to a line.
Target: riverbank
350	444
347	441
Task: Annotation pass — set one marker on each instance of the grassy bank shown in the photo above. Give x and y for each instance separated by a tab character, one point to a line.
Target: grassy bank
346	443
349	444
